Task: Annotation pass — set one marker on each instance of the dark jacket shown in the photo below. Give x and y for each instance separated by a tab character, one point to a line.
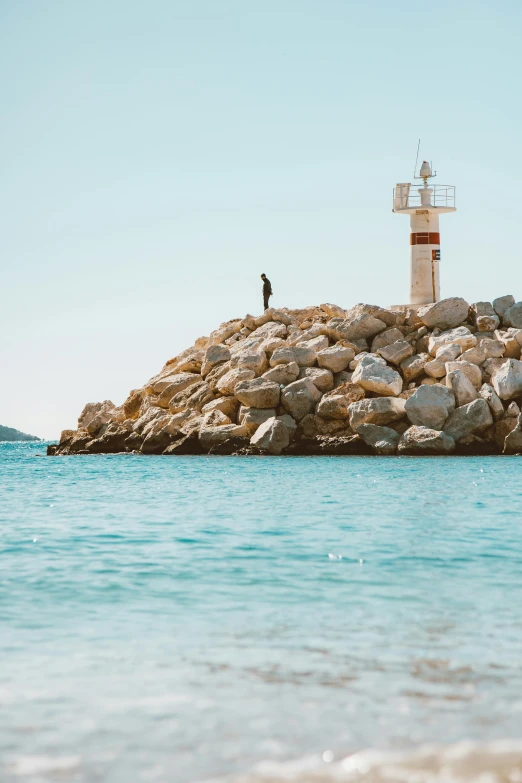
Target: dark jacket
267	287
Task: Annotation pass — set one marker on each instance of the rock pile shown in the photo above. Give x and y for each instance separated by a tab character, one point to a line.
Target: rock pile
446	378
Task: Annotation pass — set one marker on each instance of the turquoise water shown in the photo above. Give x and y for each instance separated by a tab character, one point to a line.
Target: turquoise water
186	618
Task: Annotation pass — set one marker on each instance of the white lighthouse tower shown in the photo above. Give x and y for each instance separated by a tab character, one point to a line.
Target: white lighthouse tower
424	205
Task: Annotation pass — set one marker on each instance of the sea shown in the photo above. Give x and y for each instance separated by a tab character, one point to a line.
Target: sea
259	619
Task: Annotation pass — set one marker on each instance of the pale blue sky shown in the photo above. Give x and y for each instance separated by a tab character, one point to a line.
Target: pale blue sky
157	156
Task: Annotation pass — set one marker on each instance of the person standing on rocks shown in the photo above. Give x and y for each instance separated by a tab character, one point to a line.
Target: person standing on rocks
267	290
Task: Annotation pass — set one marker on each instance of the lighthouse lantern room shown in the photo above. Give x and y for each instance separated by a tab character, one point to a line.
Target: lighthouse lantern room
424	205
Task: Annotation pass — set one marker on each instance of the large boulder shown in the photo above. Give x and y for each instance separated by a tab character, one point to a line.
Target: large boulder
383	440
227	384
430	406
336	358
503	303
303	356
484	316
300	398
272	436
194	397
388	337
225	331
376	377
470	419
252	418
258	393
335	404
462	388
283	374
227	405
445	314
178	384
471	371
214	355
95	415
378	410
313	426
513	441
269	329
319	343
254	360
513	316
489	394
396	352
414	366
192	361
360	327
460	336
322	378
423	440
507	380
211	436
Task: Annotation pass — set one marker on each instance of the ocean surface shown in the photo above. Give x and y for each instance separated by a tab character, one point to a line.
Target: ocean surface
259	619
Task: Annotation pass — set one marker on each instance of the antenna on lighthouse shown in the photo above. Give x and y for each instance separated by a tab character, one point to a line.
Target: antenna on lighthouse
416	160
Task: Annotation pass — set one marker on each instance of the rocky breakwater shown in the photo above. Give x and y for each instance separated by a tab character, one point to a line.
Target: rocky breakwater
444	379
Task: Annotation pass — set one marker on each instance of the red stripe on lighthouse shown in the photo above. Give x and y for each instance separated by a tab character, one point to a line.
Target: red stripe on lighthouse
425	238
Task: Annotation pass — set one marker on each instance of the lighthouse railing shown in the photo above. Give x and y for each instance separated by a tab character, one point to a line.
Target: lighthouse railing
442	196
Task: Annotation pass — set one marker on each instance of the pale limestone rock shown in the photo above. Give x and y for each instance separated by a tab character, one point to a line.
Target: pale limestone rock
214	418
423	440
388	337
192	362
215	375
396	352
149	415
252	418
513	316
227	384
376	377
271	344
214	355
414	366
435	369
333	310
510	343
379	410
95	415
227	405
503	303
249	344
323	379
180	382
388	317
283	374
432	382
290	424
364	355
471	371
383	440
195	397
484	317
448	353
445	314
212	436
461	387
315	344
512	410
513	442
249	322
335	404
269	329
312	426
507	380
336	358
283	317
258	393
489	394
300	398
360	327
470	419
251	360
225	331
305	357
460	336
491	366
272	436
430	406
476	355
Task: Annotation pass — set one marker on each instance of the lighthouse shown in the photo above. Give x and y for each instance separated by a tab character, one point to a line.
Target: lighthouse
424	205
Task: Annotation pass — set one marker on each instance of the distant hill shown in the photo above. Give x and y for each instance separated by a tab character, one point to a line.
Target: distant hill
10	434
